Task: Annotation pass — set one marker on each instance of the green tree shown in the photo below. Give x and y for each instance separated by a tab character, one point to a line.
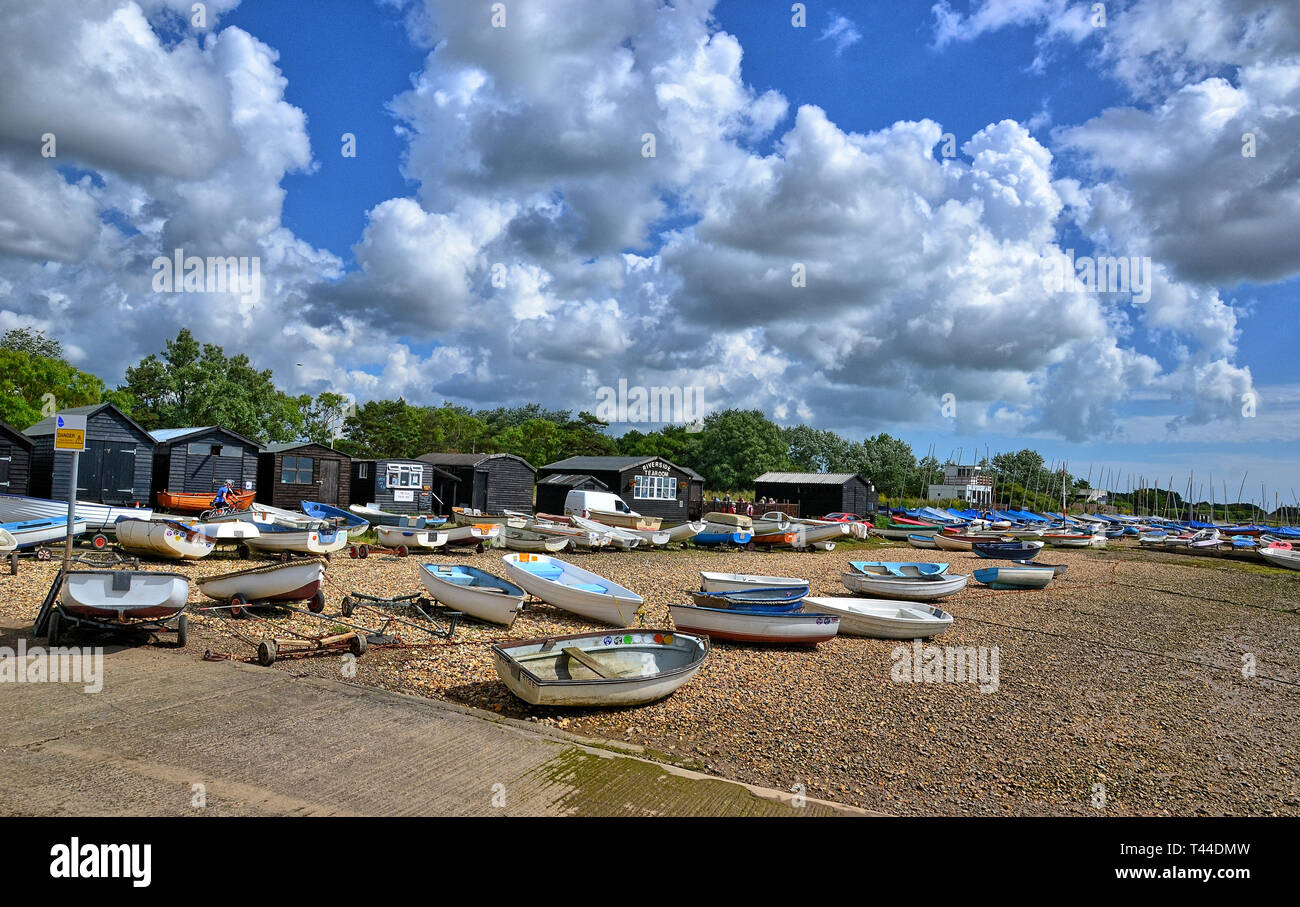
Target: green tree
324	417
451	429
815	449
887	461
25	379
736	446
31	341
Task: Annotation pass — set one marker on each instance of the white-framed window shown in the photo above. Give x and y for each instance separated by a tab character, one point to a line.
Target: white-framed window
655	488
405	475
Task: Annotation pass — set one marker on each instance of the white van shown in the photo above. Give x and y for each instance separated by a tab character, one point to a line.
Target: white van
586	503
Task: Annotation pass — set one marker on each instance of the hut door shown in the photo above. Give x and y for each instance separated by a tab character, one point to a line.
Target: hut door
480	491
329	481
89	486
6	457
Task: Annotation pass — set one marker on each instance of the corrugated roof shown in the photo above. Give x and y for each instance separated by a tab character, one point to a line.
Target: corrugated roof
612	464
167	434
569	479
807	478
290	445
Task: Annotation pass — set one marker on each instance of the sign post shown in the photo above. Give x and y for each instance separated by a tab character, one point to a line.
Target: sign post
70	435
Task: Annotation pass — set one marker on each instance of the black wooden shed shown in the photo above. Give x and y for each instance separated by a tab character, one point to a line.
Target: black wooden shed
297	471
115	468
818	493
554	488
15	460
652	486
399	485
200	460
490	482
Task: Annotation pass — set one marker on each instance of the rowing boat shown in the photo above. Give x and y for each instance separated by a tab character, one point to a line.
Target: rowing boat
684	531
469	516
573	589
327	513
882	618
741	625
739	582
527	540
900	568
97	517
623	668
7	541
28	533
1008	551
192	502
950	542
377	517
406	539
163	538
780	598
913	588
713	535
1281	557
475	592
298	580
1015	577
922	541
123	595
473	536
274	537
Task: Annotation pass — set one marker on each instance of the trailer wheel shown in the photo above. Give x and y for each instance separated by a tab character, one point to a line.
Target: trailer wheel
316	604
42	554
182	631
284	557
363	551
99	542
346	606
53	629
266	652
238	602
352	552
478	549
244	552
749	546
403	551
358	645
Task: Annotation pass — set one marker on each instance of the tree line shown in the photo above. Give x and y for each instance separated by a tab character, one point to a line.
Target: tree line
189	383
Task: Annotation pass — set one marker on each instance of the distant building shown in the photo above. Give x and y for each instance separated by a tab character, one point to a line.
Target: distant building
115	468
490	482
198	460
819	493
1091	496
652	486
964	483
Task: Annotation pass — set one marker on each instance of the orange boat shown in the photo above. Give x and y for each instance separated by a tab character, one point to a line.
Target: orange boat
186	502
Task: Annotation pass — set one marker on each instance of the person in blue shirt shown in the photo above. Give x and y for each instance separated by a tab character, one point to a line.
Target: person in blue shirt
224	494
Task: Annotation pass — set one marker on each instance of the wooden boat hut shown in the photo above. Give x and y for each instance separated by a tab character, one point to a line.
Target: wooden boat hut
15	460
115	468
819	493
554	488
297	471
403	486
652	486
199	460
490	482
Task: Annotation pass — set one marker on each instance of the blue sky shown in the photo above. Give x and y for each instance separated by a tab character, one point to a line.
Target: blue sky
516	147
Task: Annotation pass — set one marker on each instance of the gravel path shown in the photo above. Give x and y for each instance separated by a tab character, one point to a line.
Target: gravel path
1125	681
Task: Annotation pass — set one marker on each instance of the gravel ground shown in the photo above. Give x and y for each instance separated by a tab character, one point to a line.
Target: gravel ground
1128	675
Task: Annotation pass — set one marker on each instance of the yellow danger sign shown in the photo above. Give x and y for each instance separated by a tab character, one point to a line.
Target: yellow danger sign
69	432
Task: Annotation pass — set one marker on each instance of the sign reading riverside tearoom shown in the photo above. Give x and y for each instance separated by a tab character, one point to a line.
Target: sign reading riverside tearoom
70	432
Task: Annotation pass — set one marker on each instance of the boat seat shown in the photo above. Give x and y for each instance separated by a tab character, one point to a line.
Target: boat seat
460	579
542	569
591	664
590	587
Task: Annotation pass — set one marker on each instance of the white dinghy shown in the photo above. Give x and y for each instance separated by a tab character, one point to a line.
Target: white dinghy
624	668
296	581
473	536
735	582
914	588
1281	557
407	540
163	538
536	542
573	589
883	618
473	591
756	625
277	539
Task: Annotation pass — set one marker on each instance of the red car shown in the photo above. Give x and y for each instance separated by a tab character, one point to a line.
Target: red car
838	517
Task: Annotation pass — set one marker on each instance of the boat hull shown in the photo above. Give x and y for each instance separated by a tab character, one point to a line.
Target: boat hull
102	594
187	502
912	589
98	517
498	603
882	618
754	626
616	606
637	654
397	537
1015	577
163	538
29	533
711	581
271	538
295	581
